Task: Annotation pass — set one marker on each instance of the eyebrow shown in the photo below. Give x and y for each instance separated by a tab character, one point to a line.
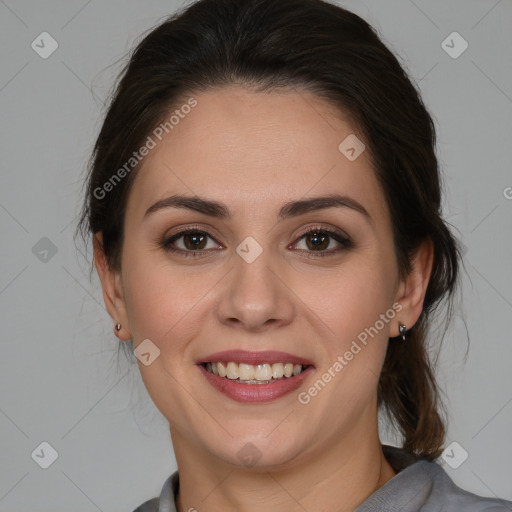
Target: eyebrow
291	209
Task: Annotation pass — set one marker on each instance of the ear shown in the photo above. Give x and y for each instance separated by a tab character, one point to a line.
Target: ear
412	289
112	289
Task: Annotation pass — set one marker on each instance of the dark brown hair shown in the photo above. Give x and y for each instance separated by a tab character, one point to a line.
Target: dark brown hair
298	44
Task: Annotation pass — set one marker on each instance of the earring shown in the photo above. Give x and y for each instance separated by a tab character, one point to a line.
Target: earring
118	327
402	328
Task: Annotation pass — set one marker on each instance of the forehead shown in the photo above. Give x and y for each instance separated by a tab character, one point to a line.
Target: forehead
252	149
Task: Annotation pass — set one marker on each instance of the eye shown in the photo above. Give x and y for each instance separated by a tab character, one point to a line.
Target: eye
325	242
194	242
190	242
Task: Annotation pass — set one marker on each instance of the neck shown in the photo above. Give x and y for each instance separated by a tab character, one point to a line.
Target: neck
338	479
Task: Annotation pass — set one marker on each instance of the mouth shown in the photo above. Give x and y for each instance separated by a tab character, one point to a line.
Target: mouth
264	373
255	376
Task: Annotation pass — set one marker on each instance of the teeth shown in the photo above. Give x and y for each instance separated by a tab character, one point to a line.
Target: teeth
263	372
232	371
249	373
221	369
246	371
277	370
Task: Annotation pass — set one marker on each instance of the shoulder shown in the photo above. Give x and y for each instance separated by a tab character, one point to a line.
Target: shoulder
166	501
424	486
452	497
148	506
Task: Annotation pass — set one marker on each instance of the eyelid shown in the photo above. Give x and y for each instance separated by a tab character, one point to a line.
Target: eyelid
324	229
167	240
338	235
209	230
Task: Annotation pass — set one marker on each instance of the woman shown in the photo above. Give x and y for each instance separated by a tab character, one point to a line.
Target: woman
264	200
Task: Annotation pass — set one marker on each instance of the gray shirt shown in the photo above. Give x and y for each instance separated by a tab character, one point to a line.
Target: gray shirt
418	486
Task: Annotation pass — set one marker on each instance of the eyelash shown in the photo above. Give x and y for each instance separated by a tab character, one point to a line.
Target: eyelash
344	241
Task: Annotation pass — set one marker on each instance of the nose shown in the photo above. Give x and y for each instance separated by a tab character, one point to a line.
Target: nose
256	297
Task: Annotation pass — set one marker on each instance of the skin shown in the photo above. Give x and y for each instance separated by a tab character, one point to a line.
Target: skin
254	152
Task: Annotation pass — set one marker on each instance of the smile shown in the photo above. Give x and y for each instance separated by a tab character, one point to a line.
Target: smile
255	377
264	373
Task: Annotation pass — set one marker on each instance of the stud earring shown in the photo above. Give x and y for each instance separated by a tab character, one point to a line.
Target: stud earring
402	329
118	327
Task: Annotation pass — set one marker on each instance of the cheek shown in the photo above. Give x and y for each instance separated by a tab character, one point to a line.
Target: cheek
350	299
161	298
164	304
349	304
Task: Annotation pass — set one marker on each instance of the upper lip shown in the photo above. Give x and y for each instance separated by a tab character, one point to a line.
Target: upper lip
248	357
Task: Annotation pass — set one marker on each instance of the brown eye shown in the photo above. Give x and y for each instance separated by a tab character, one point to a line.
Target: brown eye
191	242
194	240
317	241
323	242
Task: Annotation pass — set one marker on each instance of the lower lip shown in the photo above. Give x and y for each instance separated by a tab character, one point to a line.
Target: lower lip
255	393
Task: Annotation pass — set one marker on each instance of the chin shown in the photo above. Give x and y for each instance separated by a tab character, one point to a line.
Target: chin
259	453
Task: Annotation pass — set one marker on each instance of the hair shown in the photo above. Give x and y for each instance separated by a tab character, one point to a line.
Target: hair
312	45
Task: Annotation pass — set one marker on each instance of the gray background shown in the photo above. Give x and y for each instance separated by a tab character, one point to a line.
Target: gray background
60	381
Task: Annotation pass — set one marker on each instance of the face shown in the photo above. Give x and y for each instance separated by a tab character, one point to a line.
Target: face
270	277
